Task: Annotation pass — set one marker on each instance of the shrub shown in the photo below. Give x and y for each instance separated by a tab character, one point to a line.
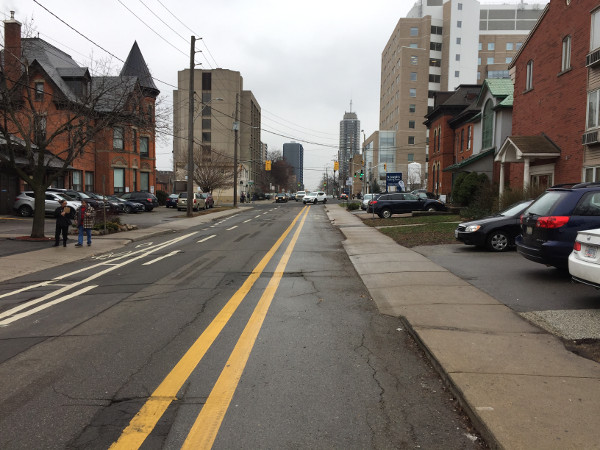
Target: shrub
162	197
353	206
467	186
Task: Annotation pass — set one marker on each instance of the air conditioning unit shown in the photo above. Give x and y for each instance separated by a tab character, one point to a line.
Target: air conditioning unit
593	59
590	138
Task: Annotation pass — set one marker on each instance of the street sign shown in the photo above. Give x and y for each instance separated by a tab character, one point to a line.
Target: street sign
393	179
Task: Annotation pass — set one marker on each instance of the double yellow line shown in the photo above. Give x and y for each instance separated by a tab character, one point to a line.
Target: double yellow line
205	429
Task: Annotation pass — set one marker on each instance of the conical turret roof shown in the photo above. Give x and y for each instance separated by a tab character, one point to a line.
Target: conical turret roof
136	66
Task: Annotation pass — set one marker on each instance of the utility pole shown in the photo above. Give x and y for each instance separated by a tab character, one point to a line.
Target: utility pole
236	127
190	177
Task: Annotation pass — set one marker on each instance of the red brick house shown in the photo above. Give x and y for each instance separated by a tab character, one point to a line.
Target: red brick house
120	157
555	109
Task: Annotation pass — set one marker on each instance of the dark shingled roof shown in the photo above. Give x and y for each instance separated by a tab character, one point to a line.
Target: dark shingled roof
136	66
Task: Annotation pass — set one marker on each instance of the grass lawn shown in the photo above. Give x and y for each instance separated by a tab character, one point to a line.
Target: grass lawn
419	230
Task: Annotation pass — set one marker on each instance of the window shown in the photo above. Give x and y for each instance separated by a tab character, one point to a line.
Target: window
592	109
119	181
134	179
478	76
413	92
480	47
436	30
595	31
487	125
144	146
490	60
89	181
509	46
144	181
411	140
519	45
508	59
118	138
457	57
412	108
413	45
134	140
462	140
458	41
413	76
206	124
414	60
498	74
414	31
40	127
206	81
592	174
459	24
529	79
566	54
435	78
460	6
434	62
411	124
206	136
435	46
39	91
77	180
479	61
456	73
469	136
491	46
411	157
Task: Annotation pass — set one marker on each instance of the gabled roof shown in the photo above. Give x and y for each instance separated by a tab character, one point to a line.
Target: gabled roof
497	87
516	148
454	104
136	66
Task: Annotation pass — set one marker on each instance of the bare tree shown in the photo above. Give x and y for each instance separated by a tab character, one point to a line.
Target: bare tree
44	133
212	170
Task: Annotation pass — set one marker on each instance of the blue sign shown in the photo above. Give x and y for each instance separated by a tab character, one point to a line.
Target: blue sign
393	178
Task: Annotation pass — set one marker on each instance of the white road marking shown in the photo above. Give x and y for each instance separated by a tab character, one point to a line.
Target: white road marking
161	257
233	227
207	238
246	221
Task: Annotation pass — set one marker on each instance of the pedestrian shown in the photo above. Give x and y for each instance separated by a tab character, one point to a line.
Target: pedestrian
242	198
85	222
64	216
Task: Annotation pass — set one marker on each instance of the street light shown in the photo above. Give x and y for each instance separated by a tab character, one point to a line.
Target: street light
191	119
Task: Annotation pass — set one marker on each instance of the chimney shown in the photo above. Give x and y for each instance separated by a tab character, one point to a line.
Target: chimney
12	50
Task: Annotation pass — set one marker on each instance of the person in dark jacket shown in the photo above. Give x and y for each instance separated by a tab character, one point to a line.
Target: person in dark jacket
64	215
85	222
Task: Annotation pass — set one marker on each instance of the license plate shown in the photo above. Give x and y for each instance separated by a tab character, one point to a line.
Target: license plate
589	252
529	230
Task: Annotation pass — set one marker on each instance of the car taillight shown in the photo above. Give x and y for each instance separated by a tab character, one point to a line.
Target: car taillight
372	202
551	221
577	246
149	200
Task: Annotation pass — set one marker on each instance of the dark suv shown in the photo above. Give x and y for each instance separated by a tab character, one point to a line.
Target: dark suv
402	202
145	198
549	226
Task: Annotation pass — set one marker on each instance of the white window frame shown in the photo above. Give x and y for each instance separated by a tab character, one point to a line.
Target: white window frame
595	30
592	119
566	54
529	75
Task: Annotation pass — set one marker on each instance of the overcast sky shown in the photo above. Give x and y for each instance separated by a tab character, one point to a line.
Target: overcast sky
305	61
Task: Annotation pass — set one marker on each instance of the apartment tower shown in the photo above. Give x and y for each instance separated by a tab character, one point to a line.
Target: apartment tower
349	144
293	153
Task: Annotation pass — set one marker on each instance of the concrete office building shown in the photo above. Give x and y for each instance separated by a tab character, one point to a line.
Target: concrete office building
349	144
438	46
220	104
293	153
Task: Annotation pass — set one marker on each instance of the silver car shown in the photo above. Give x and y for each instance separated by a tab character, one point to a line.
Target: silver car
25	203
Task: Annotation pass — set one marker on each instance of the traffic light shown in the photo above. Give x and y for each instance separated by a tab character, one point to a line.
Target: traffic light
336	165
384	166
361	174
267	165
354	174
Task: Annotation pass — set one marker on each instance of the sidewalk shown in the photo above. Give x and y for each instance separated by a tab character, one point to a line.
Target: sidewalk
520	386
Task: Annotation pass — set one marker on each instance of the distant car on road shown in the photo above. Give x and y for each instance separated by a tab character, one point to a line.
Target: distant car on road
315	197
299	195
497	232
343	196
281	198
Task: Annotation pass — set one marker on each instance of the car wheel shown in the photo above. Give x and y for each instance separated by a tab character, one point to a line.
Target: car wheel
498	241
25	211
386	213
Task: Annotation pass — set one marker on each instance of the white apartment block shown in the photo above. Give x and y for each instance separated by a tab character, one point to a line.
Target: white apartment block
438	46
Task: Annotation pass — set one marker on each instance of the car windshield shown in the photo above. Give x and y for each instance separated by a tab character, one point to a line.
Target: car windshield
65	196
515	209
183	195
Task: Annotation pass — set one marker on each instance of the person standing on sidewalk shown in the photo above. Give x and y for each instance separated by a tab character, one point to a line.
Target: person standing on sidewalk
64	215
85	221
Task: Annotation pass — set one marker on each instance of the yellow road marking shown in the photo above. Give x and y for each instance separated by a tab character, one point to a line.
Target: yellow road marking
207	424
146	419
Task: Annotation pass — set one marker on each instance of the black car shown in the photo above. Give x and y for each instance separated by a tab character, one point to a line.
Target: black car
146	198
171	201
402	202
549	226
127	206
498	232
281	198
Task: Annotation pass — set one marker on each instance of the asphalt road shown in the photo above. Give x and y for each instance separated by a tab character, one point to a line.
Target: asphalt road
305	360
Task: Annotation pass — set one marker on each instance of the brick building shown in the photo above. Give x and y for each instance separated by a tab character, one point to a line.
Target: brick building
555	110
118	153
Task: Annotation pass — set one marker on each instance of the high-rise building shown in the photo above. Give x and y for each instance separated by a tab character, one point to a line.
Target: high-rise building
349	144
438	46
293	153
225	114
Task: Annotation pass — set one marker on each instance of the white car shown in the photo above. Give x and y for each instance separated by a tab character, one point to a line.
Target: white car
315	197
25	202
299	195
584	260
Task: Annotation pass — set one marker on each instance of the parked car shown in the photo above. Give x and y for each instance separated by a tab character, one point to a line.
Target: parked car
127	205
366	199
24	203
314	197
95	203
343	196
171	201
208	198
146	198
281	198
550	225
403	202
497	232
197	205
584	260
